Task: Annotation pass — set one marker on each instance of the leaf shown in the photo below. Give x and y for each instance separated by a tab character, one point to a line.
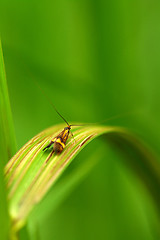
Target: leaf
31	172
4	219
7	147
5	113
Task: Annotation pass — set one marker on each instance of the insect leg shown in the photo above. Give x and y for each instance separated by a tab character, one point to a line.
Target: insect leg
50	144
49	156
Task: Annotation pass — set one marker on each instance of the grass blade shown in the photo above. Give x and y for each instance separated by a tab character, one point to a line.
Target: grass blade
31	172
7	147
5	112
4	216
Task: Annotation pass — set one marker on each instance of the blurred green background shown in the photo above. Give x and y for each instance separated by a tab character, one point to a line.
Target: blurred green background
95	59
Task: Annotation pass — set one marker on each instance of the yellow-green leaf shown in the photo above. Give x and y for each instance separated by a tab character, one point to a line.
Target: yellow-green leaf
32	172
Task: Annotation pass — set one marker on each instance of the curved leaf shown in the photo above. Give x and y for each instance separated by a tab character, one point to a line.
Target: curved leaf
31	172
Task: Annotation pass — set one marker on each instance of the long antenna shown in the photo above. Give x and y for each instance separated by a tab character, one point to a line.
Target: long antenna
44	93
107	119
50	101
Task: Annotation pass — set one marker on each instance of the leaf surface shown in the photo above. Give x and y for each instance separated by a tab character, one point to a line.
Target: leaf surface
32	172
